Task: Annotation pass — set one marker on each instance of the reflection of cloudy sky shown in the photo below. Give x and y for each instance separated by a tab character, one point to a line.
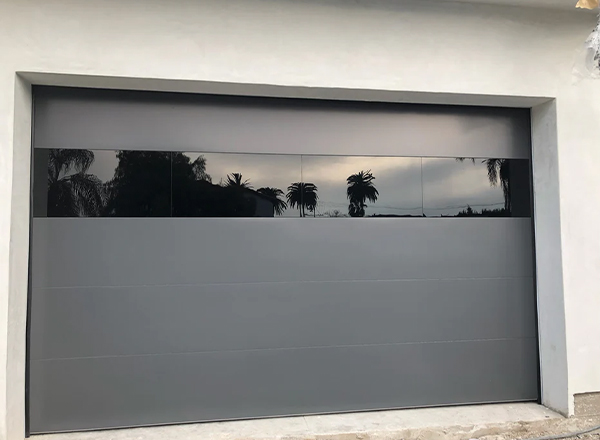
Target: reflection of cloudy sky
398	180
261	170
448	185
104	165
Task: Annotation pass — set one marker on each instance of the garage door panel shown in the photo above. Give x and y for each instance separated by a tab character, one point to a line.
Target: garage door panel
80	118
90	252
99	321
200	261
138	390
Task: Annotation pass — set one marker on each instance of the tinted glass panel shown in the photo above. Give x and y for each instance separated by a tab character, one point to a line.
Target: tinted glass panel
101	183
476	187
233	185
104	183
364	186
141	186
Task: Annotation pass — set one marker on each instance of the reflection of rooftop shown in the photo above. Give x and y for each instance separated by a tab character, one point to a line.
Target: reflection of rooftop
261	195
265	206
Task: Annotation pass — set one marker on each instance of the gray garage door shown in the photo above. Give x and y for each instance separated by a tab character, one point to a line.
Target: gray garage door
202	258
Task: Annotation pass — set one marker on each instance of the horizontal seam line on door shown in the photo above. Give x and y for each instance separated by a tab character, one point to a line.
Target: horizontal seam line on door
317	347
290	282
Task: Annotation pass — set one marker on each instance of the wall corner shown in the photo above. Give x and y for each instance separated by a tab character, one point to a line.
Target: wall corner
548	257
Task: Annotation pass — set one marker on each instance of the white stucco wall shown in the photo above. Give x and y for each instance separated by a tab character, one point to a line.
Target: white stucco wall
424	51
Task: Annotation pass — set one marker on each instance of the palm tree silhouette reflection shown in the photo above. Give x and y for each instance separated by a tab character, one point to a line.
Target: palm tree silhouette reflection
72	192
303	195
498	171
172	184
275	194
235	180
360	189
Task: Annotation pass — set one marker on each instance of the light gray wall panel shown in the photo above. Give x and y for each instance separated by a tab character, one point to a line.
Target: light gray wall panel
72	118
138	390
124	252
97	321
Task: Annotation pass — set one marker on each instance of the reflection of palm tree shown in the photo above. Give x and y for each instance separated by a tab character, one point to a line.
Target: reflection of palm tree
304	196
71	191
274	193
235	180
360	189
498	170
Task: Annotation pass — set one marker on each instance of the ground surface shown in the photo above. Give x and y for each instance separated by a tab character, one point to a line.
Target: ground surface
543	429
482	422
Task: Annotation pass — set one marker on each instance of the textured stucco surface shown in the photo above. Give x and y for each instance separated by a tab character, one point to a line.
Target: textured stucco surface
587	404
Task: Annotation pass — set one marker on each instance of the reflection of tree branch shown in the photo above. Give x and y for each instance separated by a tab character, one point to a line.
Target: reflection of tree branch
497	169
141	186
199	169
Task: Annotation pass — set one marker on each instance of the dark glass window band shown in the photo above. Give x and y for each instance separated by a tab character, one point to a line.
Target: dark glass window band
122	183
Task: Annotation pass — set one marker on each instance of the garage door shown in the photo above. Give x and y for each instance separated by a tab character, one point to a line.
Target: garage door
201	258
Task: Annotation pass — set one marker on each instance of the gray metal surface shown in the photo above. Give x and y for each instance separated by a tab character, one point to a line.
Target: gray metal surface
141	321
87	393
146	321
73	118
276	315
77	252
